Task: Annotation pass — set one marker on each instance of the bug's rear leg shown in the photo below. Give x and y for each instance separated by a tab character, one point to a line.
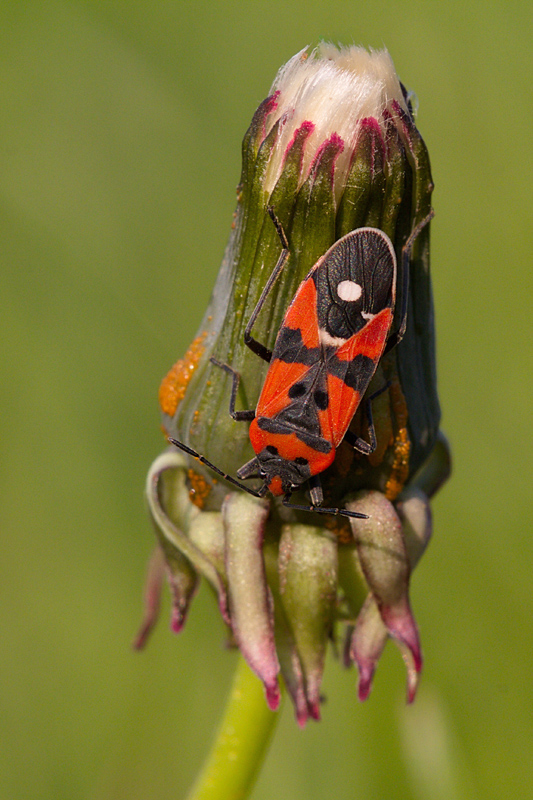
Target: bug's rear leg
257	347
359	444
235	377
396	337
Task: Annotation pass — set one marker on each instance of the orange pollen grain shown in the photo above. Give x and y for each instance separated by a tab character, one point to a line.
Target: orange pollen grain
175	382
340	528
200	489
402	444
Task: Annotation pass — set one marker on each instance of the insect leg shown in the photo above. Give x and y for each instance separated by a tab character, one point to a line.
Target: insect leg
398	335
237	415
357	442
256	347
340	512
315	490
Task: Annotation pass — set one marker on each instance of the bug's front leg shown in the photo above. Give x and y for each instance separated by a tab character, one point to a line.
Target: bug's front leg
257	347
239	416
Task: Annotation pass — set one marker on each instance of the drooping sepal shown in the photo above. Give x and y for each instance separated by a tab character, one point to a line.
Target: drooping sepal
287	650
155	575
389	548
250	598
308	587
172	514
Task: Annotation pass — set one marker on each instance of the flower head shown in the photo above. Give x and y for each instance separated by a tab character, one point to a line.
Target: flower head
332	149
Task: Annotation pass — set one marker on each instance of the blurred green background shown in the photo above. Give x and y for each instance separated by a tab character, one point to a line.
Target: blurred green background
119	158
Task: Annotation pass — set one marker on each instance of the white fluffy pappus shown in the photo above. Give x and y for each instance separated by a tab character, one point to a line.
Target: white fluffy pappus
334	88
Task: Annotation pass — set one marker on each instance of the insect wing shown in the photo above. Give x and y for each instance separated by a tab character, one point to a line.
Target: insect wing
351	369
297	349
333	334
356	289
355	280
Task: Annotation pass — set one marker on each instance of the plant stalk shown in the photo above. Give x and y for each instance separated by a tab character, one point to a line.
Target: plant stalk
241	743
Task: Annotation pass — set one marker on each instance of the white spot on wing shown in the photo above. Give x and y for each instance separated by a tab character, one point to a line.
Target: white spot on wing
349	291
367	315
327	339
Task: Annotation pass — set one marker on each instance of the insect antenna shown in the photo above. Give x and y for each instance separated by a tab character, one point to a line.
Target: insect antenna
203	460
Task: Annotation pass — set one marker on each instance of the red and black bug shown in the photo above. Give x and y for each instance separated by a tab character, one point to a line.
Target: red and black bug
333	335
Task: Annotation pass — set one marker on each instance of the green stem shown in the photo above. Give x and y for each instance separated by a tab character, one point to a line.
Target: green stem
241	742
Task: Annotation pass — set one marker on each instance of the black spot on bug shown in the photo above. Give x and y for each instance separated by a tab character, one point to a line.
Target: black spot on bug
321	399
271	449
301	461
356	373
297	390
